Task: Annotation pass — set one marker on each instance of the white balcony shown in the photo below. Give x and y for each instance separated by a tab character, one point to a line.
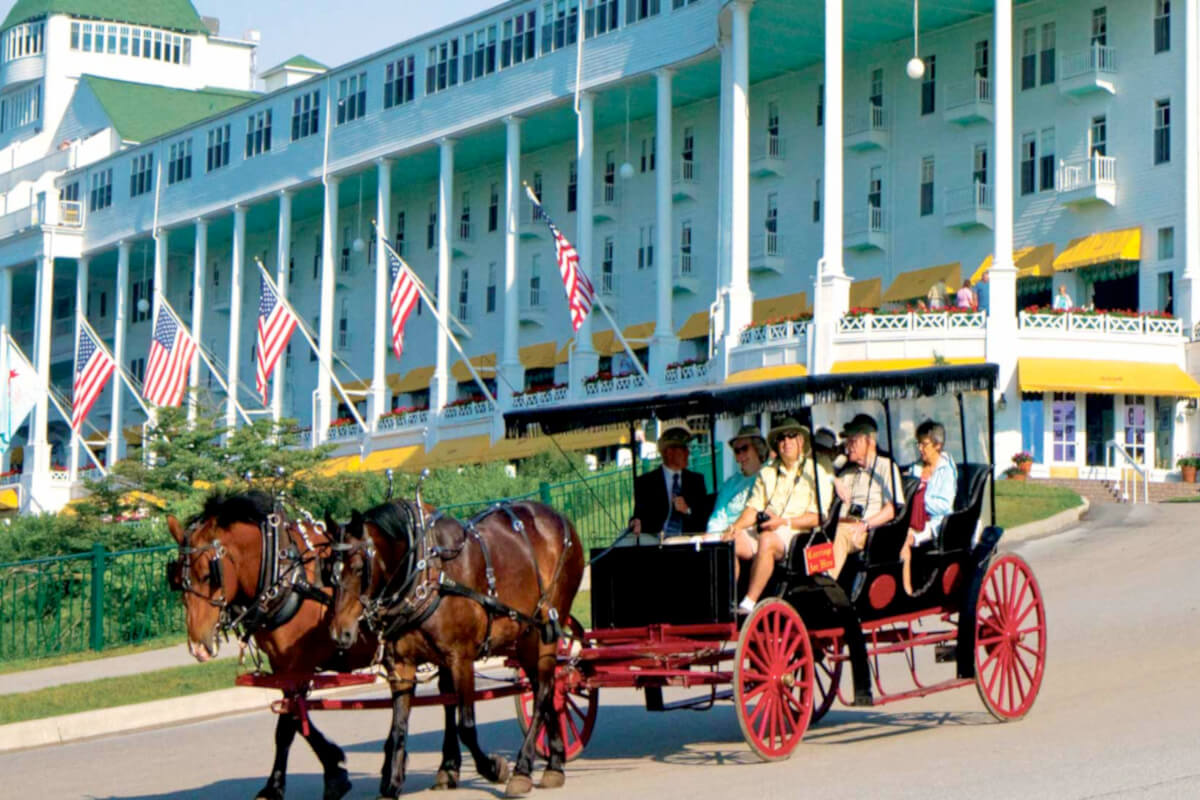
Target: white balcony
768	156
968	206
407	419
607	204
866	230
464	311
1091	323
472	410
1090	70
766	252
617	385
542	399
867	131
532	222
1110	335
685	277
777	344
70	214
1090	180
608	284
463	245
346	432
912	335
17	221
688	374
968	102
685	180
533	308
342	340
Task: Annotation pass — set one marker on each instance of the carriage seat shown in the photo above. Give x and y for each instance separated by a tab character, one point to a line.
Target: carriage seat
959	528
884	543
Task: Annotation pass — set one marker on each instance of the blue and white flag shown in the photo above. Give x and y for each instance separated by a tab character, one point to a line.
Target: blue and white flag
20	390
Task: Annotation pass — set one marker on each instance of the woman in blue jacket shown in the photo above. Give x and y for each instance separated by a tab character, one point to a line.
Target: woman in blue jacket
934	498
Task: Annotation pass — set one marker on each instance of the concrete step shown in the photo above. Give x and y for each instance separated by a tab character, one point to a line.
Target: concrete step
1102	491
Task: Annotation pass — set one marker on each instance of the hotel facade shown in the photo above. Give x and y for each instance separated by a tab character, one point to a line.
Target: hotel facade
756	189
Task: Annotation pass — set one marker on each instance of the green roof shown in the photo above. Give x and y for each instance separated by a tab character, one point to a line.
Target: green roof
140	111
178	15
300	62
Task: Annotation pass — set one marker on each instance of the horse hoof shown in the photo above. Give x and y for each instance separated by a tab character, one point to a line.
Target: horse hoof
445	780
518	786
553	779
270	794
500	764
337	785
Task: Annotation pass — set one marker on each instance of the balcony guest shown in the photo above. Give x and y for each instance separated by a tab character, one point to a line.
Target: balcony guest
965	298
868	487
934	498
750	451
1062	300
671	499
936	297
982	293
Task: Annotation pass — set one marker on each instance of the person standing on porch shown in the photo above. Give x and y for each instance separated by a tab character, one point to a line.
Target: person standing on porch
1062	300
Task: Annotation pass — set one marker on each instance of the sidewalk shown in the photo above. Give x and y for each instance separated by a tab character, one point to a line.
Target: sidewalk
116	666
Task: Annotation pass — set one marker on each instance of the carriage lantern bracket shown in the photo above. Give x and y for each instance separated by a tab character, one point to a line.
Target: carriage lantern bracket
420	504
391	479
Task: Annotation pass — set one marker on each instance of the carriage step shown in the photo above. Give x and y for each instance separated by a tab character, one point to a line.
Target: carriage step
945	653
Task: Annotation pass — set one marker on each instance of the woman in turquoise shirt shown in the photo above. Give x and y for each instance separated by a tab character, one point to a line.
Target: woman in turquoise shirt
750	451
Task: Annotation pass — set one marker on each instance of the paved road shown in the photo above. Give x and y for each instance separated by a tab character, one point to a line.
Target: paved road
1118	715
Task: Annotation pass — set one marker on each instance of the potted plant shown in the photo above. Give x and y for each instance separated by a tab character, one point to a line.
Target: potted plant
1187	467
1023	461
1014	474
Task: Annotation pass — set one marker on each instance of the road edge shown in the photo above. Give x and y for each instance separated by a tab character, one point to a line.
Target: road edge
1049	526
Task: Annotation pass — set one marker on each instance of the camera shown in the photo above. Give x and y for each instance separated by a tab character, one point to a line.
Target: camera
759	519
856	511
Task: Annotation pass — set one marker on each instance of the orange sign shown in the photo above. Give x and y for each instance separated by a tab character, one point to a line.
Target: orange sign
818	558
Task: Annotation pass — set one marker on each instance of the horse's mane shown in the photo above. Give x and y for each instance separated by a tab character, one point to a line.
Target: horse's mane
253	506
395	519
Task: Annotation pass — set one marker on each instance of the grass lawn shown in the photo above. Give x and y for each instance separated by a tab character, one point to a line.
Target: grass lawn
581	609
1019	502
108	692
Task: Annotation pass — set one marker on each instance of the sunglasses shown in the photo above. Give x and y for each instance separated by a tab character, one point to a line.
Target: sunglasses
789	435
742	449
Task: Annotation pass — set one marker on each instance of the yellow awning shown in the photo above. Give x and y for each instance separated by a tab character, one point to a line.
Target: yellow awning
915	283
539	356
773	373
1101	248
1104	377
783	306
638	336
359	387
564	352
414	380
695	327
1031	262
485	365
10	500
866	293
895	364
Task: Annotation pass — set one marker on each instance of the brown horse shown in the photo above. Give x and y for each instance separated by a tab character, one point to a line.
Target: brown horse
280	600
447	593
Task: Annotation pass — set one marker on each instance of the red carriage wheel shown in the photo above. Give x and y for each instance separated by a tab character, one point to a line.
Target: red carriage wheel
575	707
773	679
1010	638
827	676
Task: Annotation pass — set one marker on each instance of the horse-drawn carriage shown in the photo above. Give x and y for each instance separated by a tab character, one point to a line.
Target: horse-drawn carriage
665	615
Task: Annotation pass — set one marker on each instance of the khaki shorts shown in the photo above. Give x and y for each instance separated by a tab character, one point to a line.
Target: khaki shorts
785	534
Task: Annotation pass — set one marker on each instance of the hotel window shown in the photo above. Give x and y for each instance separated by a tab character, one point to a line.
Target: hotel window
352	98
491	288
431	227
87	37
441	67
218	147
1098	134
648	147
494	208
517	42
100	195
929	86
141	174
685	248
572	185
464	294
535	282
600	17
29	39
1048	50
1100	26
981	59
1063	426
398	83
1046	161
638	10
979	165
137	369
1028	58
1162	131
688	153
820	105
645	253
317	257
306	114
560	24
464	217
21	108
70	192
479	53
344	262
141	289
112	39
610	177
1166	244
399	234
124	40
74	35
1162	26
1028	162
876	94
258	133
926	186
816	203
607	281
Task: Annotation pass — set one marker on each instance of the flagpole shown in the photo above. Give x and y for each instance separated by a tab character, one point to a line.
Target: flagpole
12	344
300	326
135	391
164	303
417	279
74	465
450	334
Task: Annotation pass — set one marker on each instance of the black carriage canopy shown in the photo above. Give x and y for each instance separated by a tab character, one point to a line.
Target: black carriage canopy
752	398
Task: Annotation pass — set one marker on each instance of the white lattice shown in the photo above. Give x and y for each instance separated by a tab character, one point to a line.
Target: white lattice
538	399
1165	327
1092	323
890	322
1043	322
855	324
689	373
410	419
1124	324
614	385
1103	323
468	410
345	433
60	476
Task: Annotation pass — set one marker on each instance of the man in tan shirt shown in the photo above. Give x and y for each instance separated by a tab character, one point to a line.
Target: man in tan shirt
785	493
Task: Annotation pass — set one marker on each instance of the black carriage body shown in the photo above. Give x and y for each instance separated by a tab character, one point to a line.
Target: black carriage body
675	584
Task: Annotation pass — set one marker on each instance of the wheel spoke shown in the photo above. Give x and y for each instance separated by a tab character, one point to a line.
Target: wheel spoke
754	675
992	656
989	640
1021	617
1035	653
755	692
796	665
996	655
1010	585
993	597
758	710
1019	600
570	723
785	639
765	706
756	658
1030	630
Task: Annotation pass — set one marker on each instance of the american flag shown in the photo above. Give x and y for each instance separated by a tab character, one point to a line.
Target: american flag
404	297
275	325
93	367
171	352
580	293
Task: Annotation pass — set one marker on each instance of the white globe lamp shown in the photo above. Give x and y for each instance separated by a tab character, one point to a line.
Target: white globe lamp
915	68
626	171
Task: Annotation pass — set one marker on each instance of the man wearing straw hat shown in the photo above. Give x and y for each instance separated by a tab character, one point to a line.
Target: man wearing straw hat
671	499
782	503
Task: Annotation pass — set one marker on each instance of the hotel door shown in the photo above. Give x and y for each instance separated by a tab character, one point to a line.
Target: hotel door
1135	427
1100	427
1033	425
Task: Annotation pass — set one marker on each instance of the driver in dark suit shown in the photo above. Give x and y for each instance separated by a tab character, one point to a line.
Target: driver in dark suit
672	498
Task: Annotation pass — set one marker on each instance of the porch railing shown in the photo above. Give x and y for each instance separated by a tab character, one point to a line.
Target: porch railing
1127	482
1099	322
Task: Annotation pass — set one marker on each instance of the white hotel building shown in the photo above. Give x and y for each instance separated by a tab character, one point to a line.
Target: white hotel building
714	138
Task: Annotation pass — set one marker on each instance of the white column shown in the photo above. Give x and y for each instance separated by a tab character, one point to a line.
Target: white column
378	400
283	259
665	346
1002	293
81	298
724	221
233	363
41	357
584	360
116	438
439	390
832	296
510	361
199	272
6	279
325	403
1189	307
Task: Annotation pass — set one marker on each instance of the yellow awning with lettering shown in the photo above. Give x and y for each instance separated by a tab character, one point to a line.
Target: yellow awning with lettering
866	293
695	327
772	373
539	356
414	380
1104	377
1101	248
485	365
1031	262
786	305
895	364
915	283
